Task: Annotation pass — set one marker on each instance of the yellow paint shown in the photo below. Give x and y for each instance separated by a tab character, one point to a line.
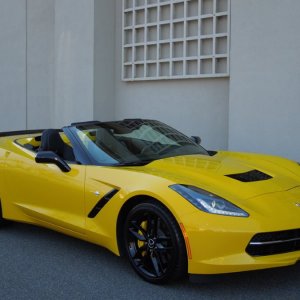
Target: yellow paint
43	195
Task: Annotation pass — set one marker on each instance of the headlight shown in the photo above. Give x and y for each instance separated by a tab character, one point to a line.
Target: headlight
208	202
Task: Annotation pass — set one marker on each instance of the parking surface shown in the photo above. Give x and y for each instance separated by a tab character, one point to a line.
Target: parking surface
40	264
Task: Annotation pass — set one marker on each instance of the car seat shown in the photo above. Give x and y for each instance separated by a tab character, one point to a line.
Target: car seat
52	141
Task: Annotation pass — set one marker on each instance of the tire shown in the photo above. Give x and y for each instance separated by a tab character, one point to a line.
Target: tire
2	221
154	243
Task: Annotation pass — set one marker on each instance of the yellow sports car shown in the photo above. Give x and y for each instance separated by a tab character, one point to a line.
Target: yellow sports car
144	190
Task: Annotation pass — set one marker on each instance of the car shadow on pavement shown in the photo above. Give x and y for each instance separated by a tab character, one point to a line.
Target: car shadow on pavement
37	262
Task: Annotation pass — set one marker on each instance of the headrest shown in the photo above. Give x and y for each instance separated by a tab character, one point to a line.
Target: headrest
51	141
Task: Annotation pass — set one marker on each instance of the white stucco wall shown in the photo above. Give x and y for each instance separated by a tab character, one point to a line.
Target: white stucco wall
60	61
13	65
265	77
104	60
73	61
40	63
196	107
46	63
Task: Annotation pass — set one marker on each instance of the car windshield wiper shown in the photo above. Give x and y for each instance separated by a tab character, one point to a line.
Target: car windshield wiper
134	163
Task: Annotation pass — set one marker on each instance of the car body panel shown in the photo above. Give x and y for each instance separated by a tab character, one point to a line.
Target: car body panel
62	206
42	194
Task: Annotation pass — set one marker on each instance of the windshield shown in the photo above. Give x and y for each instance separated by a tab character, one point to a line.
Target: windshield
133	142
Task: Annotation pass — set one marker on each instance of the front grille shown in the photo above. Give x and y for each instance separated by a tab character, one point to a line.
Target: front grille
269	243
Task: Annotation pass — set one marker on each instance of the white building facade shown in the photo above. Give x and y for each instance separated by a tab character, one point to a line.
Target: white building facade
227	70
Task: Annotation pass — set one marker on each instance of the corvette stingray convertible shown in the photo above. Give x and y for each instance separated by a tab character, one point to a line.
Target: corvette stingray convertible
148	192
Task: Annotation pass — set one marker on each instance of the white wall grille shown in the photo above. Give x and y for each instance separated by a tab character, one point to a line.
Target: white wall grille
173	39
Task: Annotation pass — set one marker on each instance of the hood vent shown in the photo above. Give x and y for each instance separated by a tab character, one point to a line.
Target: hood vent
250	176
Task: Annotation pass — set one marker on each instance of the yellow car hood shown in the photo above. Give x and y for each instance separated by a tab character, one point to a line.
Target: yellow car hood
211	173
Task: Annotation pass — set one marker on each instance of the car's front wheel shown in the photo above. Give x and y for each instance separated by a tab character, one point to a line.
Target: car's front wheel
154	243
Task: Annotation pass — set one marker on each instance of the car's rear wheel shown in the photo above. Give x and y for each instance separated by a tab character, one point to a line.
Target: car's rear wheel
154	243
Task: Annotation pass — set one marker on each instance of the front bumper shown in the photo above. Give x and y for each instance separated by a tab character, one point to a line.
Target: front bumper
219	244
215	252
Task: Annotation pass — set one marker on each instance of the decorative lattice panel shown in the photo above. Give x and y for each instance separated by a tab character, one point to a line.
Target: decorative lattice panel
173	39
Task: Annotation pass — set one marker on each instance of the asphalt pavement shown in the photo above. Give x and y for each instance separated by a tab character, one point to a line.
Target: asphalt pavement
37	263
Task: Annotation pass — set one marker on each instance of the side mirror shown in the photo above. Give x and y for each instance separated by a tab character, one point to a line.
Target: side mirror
196	139
49	157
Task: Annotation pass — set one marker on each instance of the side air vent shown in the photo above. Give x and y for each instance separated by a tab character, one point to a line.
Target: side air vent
101	203
250	176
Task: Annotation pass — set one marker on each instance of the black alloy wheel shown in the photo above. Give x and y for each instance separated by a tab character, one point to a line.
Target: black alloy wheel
154	243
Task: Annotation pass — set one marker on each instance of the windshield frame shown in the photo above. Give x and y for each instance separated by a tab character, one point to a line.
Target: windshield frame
88	158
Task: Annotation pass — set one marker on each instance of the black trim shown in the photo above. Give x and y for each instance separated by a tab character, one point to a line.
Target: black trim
101	203
20	132
85	123
135	119
270	243
250	176
212	152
